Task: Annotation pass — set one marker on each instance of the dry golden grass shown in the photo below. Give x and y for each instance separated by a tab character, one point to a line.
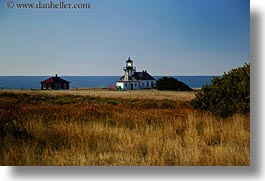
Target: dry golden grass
120	128
140	94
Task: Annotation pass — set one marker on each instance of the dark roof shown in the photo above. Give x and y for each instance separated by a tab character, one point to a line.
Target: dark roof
129	60
55	80
141	76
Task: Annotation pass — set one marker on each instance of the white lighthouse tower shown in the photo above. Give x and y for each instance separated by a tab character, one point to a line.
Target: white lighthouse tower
129	70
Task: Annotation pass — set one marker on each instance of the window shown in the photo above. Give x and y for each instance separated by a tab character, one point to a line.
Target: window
147	84
125	84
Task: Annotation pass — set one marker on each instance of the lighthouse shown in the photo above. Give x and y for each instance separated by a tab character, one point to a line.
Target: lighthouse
129	70
132	80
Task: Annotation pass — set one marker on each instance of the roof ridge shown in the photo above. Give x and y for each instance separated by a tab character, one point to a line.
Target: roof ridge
55	80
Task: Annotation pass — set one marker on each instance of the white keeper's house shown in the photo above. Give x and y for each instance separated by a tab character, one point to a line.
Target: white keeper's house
133	80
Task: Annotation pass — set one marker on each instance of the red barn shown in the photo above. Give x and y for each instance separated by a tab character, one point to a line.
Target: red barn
55	83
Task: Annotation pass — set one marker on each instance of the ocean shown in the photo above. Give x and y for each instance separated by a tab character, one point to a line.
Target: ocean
28	82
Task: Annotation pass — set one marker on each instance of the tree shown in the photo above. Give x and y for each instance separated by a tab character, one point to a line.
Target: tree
227	94
170	83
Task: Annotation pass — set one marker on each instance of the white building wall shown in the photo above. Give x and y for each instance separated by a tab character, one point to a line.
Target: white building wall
136	85
147	84
120	84
128	85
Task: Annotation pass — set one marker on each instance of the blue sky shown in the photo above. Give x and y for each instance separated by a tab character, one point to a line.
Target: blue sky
164	37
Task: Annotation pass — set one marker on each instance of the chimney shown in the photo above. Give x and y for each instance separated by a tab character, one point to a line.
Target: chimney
56	75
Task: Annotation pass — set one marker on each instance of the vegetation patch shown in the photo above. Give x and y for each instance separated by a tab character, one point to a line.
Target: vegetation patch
226	95
170	83
39	129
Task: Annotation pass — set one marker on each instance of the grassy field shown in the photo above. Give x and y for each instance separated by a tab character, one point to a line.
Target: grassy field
131	128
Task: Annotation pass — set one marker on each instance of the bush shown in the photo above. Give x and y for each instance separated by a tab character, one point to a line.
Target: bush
170	83
226	95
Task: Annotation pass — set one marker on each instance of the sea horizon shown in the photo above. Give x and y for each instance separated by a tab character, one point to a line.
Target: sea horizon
33	82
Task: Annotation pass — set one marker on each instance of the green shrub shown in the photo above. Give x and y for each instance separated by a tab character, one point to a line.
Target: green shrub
170	83
226	95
